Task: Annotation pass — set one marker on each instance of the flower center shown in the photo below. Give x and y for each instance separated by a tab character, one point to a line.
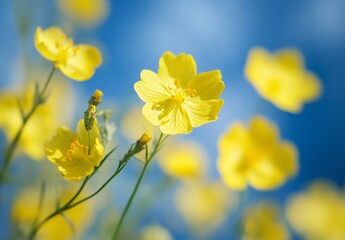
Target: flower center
76	150
179	94
65	50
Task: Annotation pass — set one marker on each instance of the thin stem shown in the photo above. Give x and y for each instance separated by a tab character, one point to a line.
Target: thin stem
69	204
130	200
57	211
47	82
118	227
12	146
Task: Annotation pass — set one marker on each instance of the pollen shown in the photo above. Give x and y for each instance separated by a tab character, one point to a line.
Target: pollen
76	150
177	83
190	91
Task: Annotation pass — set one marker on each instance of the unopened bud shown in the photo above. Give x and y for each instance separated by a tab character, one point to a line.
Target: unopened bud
96	98
89	117
143	140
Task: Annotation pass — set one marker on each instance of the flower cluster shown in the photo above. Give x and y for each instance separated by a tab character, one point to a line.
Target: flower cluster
177	98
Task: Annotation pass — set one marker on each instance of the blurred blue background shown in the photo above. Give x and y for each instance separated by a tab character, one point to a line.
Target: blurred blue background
219	35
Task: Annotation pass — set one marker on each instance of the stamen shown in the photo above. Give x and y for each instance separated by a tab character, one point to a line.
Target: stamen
76	148
177	83
190	91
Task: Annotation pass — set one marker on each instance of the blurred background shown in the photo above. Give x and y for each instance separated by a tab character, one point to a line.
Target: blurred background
132	35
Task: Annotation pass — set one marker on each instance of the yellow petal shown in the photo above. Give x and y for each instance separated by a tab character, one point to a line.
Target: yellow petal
233	179
265	176
263	131
282	78
184	160
287	158
81	62
83	135
201	112
291	58
208	85
178	122
151	113
58	146
312	87
86	12
96	153
77	169
49	41
181	67
150	88
10	118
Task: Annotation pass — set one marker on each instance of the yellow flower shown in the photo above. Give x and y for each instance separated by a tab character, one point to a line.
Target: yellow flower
25	210
85	12
41	126
155	232
255	156
177	98
282	79
72	154
318	212
183	160
204	205
75	61
263	221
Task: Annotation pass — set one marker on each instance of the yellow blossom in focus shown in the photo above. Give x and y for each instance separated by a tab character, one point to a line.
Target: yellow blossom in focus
155	232
41	126
255	156
282	79
204	205
263	221
177	98
183	160
75	61
85	12
25	209
72	154
318	212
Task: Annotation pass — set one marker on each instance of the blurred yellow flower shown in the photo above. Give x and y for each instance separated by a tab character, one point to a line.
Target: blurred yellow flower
75	155
177	98
183	160
263	221
318	212
25	210
155	232
75	61
255	156
204	205
55	111
282	79
85	12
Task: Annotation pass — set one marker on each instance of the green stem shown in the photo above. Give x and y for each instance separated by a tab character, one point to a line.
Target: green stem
130	200
12	146
118	227
57	211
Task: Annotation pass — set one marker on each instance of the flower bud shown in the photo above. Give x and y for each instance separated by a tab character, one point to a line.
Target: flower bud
89	117
144	139
96	98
